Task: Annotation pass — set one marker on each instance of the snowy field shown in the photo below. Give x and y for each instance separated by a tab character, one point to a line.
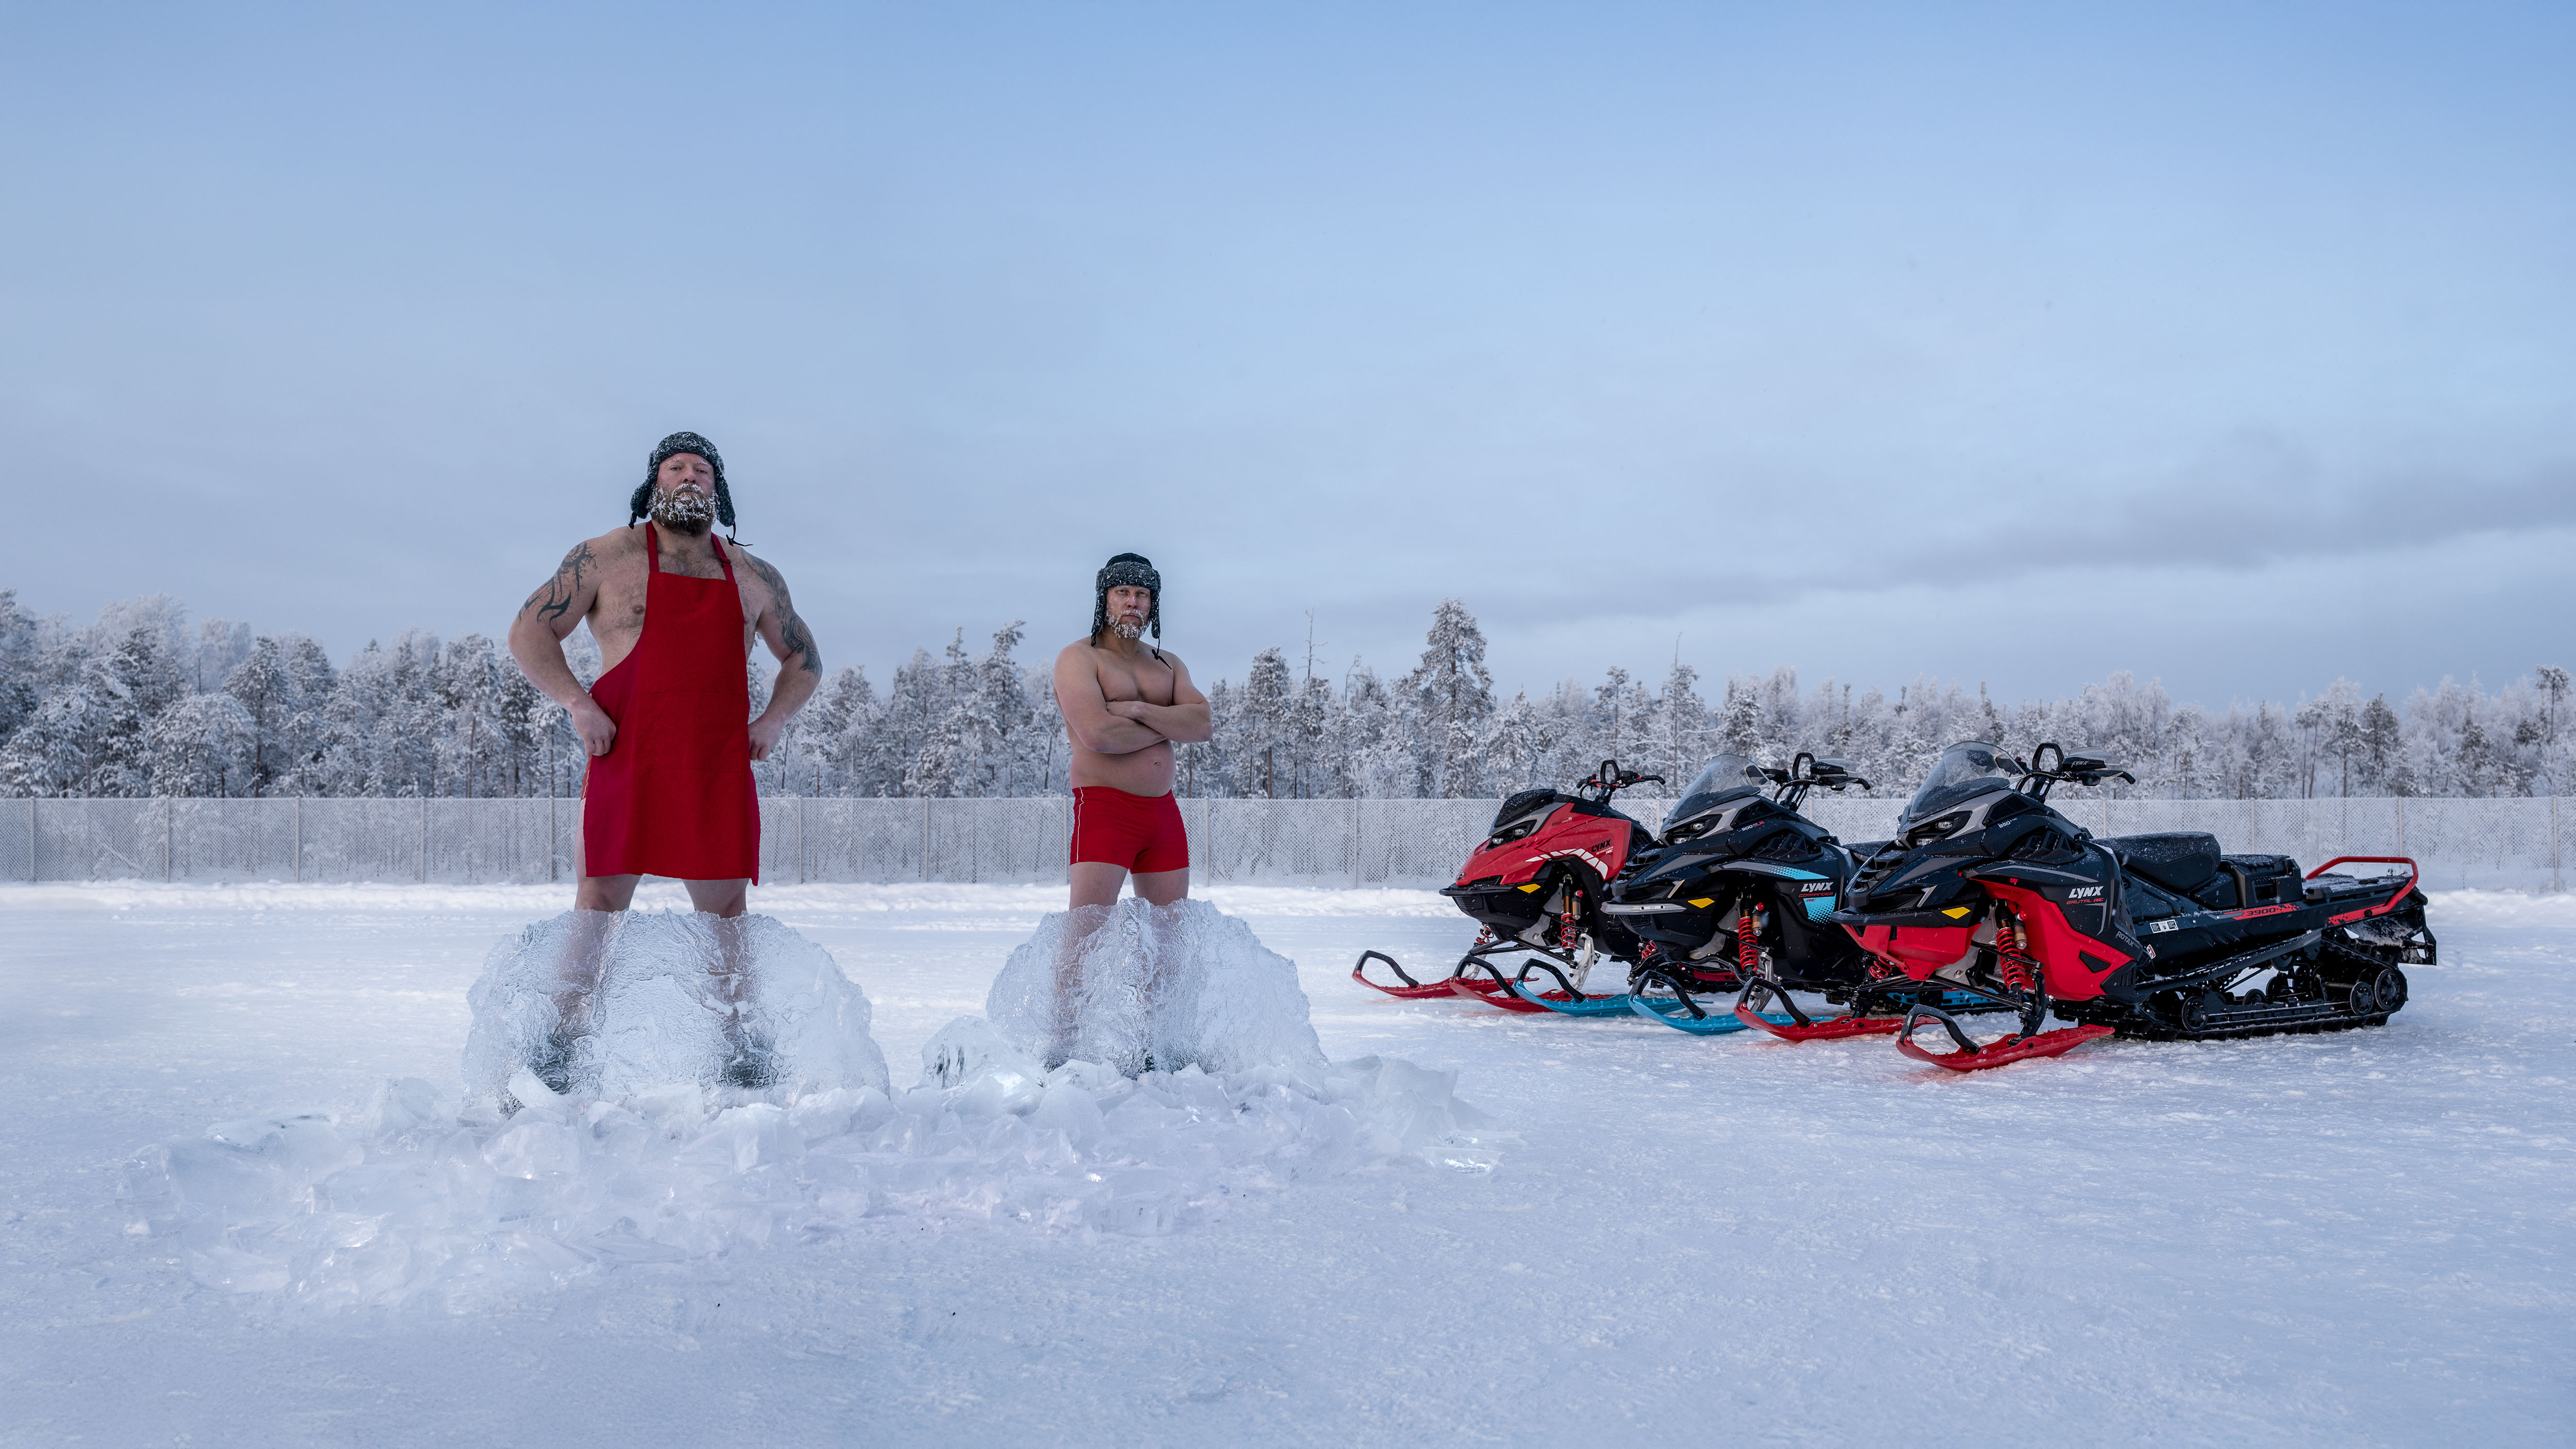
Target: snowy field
2357	1238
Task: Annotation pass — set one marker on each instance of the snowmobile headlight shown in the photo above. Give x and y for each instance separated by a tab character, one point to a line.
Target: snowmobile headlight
1937	828
1692	830
1510	833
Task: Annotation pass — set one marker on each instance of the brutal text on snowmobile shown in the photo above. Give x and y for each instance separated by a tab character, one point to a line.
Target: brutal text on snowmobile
1536	884
1989	891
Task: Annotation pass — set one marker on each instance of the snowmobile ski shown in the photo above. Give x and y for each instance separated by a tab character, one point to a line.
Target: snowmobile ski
1565	1000
1971	1057
1494	990
1411	990
1705	1024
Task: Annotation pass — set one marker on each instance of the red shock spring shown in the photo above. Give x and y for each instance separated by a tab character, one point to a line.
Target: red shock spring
1748	950
2011	962
1565	927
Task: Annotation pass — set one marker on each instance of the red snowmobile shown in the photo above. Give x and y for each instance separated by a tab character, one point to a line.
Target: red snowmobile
1537	885
1986	890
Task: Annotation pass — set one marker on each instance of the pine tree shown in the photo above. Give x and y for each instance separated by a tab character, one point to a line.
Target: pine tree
1453	700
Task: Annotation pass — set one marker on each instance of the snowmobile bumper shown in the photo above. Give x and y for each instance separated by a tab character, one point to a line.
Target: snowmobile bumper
1970	1057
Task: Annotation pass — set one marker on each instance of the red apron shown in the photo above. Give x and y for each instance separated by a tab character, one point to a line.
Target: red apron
674	795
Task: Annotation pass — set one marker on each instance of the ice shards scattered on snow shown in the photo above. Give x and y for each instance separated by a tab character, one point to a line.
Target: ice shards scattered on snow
519	1190
419	1202
1173	986
659	1011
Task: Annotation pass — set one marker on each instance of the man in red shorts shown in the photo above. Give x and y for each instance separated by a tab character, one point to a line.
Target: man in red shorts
668	726
1125	704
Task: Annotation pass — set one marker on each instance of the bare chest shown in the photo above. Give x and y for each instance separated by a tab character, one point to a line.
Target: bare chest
618	615
1139	679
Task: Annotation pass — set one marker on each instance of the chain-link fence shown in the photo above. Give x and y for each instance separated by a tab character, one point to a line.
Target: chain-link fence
2512	844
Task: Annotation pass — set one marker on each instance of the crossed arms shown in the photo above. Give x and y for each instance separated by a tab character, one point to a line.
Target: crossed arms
1107	726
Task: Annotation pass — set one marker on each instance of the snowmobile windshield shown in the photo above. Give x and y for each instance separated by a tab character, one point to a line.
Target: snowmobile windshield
1727	777
1962	773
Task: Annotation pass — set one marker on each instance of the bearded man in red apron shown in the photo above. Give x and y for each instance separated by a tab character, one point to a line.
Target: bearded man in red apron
669	792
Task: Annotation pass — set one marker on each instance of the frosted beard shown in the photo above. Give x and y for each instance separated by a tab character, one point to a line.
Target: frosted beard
684	510
1128	627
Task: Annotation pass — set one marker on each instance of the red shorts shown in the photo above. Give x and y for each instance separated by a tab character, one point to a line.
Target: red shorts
1139	833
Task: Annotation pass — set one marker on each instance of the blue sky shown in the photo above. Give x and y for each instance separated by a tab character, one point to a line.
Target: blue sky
2232	346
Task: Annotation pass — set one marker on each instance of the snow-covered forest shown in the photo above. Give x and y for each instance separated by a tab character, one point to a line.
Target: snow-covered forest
138	702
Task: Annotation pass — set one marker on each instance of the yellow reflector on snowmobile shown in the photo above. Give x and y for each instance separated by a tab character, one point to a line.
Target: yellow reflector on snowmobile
1703	903
1533	885
1955	912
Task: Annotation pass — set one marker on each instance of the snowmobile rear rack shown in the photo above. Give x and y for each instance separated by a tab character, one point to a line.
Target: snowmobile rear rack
2414	874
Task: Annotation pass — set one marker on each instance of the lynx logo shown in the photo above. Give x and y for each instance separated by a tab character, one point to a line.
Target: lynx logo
1816	888
2085	893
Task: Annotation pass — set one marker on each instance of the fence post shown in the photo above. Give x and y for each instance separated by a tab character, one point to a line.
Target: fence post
169	831
32	877
2401	825
299	840
550	837
2556	881
925	837
1355	842
424	840
800	840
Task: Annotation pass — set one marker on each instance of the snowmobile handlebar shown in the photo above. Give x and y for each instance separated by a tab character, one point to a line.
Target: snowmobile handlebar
1610	780
2050	763
1805	773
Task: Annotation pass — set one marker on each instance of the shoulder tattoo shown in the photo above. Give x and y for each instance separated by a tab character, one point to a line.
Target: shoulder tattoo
554	600
792	633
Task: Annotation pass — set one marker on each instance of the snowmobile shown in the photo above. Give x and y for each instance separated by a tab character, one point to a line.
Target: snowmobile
1988	891
1536	884
1742	879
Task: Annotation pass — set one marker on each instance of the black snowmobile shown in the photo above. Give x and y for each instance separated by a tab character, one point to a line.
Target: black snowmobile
1743	878
1989	891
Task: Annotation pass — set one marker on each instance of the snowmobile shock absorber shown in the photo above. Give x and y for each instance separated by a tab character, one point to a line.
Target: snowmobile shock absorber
1565	924
1748	950
2011	962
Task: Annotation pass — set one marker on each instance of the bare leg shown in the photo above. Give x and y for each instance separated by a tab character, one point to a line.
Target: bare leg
596	903
729	977
577	975
1095	890
1162	887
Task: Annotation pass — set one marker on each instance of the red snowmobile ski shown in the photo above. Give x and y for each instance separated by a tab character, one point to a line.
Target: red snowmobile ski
1988	891
1536	885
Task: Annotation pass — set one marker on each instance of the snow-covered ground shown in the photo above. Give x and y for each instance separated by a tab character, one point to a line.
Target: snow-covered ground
2356	1238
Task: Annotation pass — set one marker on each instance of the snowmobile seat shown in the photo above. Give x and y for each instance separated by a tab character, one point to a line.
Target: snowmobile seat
2251	880
2178	860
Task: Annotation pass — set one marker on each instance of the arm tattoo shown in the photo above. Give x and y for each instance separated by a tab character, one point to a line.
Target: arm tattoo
554	600
792	635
